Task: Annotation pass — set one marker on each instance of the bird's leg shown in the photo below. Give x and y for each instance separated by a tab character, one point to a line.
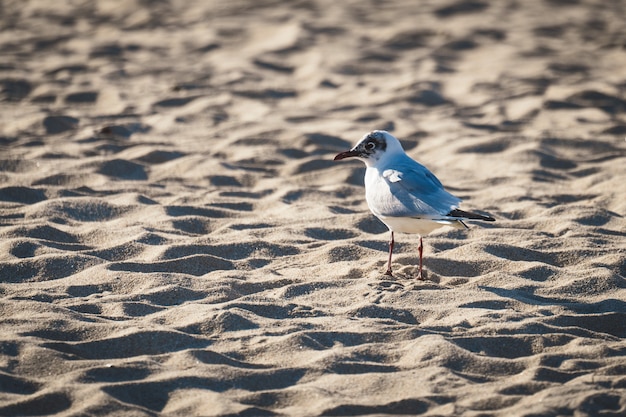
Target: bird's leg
420	250
390	252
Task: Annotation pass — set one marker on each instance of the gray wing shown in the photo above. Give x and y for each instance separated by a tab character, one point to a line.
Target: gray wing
418	193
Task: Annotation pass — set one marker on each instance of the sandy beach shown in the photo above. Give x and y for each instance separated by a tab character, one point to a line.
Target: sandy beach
176	239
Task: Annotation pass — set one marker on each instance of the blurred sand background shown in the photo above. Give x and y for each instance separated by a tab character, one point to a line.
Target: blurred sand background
175	238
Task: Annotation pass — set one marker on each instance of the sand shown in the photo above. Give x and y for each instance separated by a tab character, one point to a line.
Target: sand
175	238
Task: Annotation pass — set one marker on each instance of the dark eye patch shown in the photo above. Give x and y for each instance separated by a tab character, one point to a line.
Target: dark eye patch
375	141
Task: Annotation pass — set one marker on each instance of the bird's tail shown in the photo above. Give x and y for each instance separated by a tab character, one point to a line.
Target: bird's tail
456	223
471	216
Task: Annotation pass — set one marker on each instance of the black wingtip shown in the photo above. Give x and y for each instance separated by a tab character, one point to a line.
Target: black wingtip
470	216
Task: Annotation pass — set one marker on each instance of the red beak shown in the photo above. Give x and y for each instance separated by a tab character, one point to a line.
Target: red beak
344	155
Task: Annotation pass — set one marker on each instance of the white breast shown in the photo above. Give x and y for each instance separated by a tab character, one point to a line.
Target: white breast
418	226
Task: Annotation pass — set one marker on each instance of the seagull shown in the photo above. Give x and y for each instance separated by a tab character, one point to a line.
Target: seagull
403	193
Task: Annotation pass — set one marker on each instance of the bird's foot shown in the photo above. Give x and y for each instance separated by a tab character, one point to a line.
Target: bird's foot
389	273
421	276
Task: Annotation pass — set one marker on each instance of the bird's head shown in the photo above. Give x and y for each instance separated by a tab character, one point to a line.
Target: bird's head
373	148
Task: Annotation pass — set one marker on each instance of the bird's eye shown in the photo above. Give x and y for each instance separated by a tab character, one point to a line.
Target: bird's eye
370	145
